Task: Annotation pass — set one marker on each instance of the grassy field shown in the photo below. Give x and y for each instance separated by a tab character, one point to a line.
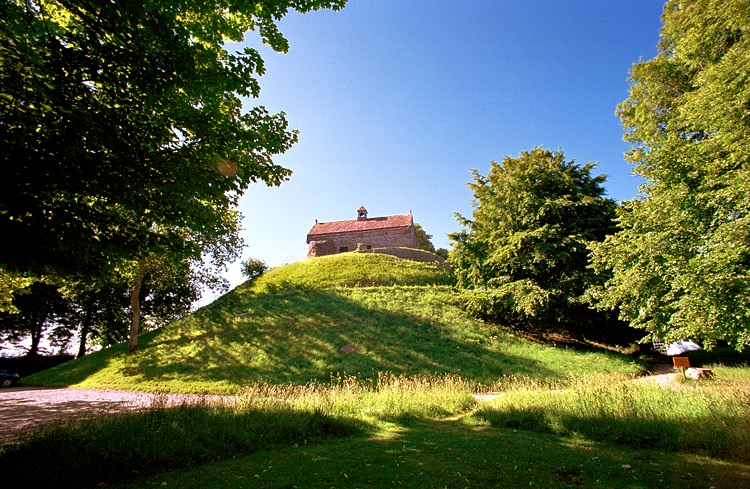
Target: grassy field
413	432
360	371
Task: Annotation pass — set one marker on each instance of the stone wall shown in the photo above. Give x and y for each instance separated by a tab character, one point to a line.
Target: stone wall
412	254
363	240
321	248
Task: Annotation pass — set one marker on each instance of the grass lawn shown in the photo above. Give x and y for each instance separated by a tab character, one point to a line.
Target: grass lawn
457	454
415	432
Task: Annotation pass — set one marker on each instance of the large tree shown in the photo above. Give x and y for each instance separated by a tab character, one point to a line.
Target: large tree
123	132
524	251
680	262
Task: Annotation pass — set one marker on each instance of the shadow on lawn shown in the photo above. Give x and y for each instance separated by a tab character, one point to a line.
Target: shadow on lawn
448	453
718	435
433	453
293	335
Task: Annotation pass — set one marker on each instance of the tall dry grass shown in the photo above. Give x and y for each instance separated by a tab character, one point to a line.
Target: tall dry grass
710	418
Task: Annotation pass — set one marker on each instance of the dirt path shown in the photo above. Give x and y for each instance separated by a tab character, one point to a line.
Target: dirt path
662	374
25	409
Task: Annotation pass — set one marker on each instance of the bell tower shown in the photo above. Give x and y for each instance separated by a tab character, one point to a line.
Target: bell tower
362	214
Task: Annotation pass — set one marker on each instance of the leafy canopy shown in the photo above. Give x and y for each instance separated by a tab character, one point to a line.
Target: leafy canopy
680	261
122	127
39	307
524	252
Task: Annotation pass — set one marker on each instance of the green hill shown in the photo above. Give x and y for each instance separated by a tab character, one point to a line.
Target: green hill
349	314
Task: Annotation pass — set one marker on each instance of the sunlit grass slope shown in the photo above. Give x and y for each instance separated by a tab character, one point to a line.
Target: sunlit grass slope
350	314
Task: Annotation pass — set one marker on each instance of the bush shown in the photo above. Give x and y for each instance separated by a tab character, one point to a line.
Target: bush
253	268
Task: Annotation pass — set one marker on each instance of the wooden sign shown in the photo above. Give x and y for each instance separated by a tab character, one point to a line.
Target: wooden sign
682	362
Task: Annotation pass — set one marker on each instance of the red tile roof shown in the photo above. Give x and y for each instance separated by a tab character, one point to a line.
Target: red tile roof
371	223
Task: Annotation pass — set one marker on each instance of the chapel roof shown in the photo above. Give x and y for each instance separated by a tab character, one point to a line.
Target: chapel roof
354	225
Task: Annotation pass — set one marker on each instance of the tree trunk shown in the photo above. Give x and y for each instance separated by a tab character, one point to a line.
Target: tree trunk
135	305
36	337
85	328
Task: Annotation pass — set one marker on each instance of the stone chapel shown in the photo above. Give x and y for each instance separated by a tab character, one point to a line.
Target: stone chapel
364	233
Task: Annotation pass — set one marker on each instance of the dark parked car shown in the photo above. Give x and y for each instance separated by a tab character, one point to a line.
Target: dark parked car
8	379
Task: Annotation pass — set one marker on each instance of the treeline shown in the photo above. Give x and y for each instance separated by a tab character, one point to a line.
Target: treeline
544	248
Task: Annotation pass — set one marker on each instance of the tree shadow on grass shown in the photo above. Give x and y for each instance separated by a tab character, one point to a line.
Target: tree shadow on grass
295	336
449	453
713	436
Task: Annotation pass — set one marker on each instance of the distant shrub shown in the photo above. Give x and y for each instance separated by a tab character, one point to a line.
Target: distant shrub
253	268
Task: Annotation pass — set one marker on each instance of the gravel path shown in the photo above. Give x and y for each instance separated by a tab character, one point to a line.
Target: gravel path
25	409
662	374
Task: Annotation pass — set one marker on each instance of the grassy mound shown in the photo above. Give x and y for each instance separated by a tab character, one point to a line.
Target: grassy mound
350	314
354	270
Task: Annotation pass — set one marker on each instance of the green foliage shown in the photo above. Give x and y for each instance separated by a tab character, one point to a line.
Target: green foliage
424	240
99	308
253	268
680	260
298	323
518	303
122	128
11	282
39	308
124	136
524	252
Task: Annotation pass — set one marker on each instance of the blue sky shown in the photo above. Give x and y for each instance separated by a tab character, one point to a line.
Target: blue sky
396	100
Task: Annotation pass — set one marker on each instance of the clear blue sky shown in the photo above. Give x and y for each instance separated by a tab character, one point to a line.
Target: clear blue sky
396	100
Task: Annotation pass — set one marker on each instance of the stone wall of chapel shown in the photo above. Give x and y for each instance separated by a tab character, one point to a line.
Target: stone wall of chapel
379	238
